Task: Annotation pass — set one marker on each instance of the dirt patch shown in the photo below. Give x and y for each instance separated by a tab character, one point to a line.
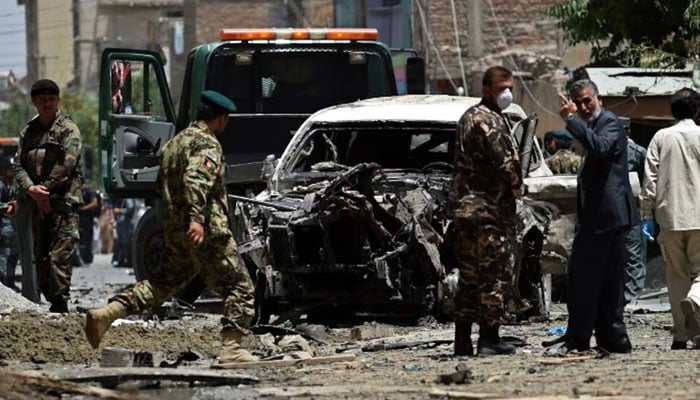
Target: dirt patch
52	338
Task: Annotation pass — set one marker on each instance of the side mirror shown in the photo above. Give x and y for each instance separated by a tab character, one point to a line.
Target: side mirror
415	75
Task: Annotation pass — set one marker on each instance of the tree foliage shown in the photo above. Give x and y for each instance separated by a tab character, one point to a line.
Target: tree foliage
657	33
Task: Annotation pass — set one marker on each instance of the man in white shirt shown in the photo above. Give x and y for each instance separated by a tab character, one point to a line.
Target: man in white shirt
669	195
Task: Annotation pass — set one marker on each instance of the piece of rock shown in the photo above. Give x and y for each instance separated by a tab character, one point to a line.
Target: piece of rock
373	331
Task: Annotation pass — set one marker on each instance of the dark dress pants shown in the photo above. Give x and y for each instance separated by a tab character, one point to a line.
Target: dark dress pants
595	297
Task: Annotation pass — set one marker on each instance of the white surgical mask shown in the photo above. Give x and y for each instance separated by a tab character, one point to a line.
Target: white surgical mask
504	99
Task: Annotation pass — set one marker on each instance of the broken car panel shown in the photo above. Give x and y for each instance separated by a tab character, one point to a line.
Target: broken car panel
356	212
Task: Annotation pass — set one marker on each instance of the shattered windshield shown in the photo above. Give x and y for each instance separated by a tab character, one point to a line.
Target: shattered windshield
338	149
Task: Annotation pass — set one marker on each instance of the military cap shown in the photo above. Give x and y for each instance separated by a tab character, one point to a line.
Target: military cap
625	122
218	100
563	134
44	86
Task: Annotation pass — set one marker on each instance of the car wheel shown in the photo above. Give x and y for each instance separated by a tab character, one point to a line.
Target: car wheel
147	246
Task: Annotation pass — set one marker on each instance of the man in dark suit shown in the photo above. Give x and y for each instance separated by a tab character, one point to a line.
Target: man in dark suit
606	208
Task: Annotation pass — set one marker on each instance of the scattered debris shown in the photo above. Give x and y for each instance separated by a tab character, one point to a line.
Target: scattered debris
121	357
462	375
277	330
371	331
114	376
557	330
413	367
444	394
382	346
565	360
285	363
316	332
181	357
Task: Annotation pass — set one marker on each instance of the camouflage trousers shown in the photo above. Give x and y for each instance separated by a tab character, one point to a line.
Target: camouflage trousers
56	244
9	253
216	261
484	258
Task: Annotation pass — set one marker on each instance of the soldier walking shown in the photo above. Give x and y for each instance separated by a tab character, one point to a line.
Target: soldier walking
197	235
486	181
46	168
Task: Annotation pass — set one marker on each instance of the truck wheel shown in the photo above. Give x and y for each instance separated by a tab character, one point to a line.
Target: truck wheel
147	245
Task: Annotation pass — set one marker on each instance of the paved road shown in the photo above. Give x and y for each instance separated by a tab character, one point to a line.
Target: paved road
91	286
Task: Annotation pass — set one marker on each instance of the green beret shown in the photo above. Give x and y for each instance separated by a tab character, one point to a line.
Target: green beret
44	86
218	100
625	122
563	134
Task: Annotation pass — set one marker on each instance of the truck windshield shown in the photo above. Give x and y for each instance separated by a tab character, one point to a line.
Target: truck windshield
298	80
402	148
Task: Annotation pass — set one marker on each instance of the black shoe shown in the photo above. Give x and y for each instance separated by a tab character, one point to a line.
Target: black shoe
623	346
490	344
59	306
679	345
463	341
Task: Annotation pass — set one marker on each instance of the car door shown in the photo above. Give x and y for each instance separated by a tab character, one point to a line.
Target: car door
136	120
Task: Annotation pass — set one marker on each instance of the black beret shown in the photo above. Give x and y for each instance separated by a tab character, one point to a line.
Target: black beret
44	86
218	100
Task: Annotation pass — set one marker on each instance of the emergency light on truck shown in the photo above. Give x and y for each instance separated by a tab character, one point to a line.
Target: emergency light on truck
299	34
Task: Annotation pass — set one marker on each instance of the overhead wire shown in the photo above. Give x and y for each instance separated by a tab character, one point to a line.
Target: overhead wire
515	65
432	45
459	48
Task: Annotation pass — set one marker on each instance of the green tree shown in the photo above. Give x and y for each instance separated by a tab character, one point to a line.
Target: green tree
15	117
650	33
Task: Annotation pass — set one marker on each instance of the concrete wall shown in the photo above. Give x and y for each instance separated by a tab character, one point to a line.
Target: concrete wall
55	40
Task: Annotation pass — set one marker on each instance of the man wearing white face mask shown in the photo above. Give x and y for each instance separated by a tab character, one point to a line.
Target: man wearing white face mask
486	181
606	208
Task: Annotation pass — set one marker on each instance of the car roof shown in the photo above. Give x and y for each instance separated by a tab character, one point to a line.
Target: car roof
438	108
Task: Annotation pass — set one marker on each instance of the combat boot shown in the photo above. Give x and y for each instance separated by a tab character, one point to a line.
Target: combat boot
490	342
231	350
98	321
59	305
463	341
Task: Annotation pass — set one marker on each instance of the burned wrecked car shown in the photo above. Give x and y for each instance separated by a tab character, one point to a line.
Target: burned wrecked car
355	215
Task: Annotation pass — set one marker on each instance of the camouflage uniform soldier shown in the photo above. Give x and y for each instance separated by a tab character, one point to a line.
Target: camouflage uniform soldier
197	235
486	181
563	160
46	168
9	253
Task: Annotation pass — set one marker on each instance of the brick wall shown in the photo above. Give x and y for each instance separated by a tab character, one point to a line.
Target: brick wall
519	25
213	15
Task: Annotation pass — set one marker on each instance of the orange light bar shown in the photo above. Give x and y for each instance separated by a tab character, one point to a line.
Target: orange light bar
352	34
9	140
299	34
247	34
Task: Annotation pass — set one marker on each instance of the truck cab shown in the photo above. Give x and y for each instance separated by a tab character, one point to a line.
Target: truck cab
276	77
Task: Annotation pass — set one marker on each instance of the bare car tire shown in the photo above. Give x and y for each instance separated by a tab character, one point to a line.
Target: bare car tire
147	245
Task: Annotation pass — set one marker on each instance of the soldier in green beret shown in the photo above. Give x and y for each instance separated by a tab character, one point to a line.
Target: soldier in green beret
197	235
48	178
563	159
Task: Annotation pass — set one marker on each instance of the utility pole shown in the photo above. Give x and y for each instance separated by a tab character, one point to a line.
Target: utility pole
77	61
474	29
31	21
190	23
